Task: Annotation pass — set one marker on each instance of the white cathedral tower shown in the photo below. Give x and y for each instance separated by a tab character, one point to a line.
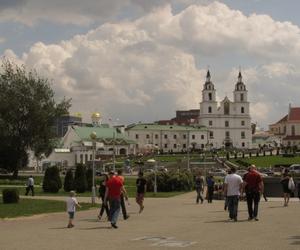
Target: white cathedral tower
229	123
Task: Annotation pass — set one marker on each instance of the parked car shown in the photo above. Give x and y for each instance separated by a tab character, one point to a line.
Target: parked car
294	169
218	172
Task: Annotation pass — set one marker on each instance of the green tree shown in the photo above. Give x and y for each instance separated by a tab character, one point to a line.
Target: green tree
89	178
52	182
69	181
27	113
80	183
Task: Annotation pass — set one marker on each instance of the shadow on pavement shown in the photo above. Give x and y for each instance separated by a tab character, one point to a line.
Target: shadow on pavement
93	228
225	221
58	228
296	240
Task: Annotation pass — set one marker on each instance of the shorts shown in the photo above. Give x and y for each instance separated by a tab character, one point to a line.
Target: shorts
139	197
71	215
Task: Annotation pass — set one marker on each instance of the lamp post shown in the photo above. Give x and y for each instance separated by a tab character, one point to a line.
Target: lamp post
188	150
93	137
114	152
155	173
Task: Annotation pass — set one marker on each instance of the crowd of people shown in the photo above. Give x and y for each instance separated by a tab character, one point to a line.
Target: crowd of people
234	188
113	195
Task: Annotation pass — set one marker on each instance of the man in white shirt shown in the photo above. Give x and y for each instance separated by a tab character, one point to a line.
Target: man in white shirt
30	185
233	187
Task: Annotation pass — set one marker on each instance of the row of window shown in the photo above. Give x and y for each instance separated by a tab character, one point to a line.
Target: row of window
226	110
227	134
156	136
210	123
210	97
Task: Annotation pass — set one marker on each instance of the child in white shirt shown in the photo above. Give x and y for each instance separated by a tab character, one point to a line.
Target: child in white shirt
71	207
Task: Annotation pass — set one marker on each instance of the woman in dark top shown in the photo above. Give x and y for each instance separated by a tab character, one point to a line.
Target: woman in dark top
141	184
102	190
210	182
285	187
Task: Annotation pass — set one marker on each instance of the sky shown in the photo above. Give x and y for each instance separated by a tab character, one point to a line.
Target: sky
141	60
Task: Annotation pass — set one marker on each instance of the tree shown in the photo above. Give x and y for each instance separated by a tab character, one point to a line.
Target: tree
69	181
52	181
89	178
27	113
80	183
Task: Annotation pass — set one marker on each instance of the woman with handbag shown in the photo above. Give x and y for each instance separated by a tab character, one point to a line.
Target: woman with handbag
285	180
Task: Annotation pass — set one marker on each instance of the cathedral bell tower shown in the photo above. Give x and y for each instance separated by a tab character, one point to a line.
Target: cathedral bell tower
208	104
240	92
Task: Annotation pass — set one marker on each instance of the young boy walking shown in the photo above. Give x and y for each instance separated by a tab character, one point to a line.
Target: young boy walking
71	203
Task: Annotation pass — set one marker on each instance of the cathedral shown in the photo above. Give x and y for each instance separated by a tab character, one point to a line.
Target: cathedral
228	122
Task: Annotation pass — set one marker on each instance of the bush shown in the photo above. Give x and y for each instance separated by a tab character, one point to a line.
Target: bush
52	182
80	183
10	195
69	181
89	178
171	181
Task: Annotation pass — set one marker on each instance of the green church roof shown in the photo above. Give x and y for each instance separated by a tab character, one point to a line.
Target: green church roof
153	126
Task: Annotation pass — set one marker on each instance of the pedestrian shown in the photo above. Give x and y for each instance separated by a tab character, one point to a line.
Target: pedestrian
114	188
285	188
225	196
123	206
102	189
141	187
210	182
233	186
199	186
30	185
253	187
71	207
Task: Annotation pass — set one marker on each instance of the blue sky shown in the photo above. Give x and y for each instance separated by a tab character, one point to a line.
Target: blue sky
138	60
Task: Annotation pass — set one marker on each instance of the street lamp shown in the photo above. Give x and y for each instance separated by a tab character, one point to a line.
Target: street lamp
155	173
93	137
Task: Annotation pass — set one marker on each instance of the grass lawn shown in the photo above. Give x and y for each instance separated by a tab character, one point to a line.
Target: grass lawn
267	161
28	207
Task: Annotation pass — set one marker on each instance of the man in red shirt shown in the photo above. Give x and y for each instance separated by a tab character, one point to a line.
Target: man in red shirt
253	186
123	206
114	188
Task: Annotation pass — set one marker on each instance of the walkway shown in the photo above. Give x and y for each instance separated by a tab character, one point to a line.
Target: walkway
165	223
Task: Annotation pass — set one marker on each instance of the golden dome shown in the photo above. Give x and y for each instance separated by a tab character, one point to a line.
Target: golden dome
78	114
96	115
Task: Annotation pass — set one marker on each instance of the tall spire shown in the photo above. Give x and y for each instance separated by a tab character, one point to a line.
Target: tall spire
208	76
240	78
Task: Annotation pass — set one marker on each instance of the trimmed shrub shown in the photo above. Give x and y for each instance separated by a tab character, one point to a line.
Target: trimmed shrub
10	195
80	183
52	182
69	181
171	181
89	178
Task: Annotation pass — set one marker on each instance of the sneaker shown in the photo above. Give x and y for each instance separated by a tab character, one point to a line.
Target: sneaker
114	225
256	219
141	209
126	217
250	218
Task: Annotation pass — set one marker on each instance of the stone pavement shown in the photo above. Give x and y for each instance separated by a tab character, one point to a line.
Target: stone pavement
166	223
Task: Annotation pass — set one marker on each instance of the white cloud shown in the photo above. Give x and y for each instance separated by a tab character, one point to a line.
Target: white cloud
145	69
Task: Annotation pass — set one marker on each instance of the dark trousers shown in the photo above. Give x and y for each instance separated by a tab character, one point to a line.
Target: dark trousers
124	212
104	207
210	194
199	196
114	205
30	188
253	199
233	203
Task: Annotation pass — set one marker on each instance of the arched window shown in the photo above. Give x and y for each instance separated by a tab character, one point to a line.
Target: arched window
226	108
242	110
209	109
209	96
242	97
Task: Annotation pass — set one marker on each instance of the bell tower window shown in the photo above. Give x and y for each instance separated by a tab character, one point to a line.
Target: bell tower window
242	97
242	110
209	109
209	96
226	108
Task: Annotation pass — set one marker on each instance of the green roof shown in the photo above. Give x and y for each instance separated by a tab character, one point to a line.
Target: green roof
153	126
104	134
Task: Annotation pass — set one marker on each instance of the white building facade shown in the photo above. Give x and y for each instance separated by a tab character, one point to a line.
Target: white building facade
229	123
167	138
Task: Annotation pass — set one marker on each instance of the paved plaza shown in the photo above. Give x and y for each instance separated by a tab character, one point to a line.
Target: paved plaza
166	223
